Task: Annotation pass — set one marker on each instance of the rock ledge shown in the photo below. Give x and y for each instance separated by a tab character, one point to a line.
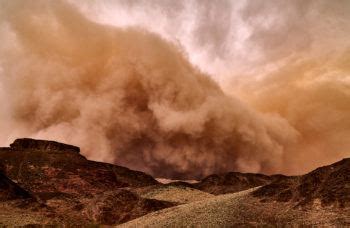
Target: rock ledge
27	143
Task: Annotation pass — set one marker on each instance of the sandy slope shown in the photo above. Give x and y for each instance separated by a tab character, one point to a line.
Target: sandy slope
239	209
11	216
26	212
176	194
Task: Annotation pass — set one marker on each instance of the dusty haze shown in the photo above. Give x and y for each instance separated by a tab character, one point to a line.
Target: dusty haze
197	95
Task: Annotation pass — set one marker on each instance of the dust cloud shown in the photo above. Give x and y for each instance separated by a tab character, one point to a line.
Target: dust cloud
137	98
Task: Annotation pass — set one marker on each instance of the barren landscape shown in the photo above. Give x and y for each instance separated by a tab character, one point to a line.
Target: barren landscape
175	113
54	185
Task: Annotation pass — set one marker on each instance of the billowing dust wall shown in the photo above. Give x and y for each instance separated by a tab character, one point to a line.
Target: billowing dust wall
130	97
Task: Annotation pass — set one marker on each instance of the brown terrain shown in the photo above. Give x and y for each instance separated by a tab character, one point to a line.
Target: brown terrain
10	190
76	190
46	182
330	185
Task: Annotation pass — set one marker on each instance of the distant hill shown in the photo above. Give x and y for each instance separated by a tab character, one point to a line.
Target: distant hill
231	182
176	193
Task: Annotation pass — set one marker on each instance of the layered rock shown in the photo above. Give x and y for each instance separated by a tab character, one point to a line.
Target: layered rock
45	145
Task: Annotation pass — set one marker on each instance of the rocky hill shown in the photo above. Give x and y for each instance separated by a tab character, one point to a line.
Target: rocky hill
47	167
50	183
329	185
318	199
72	189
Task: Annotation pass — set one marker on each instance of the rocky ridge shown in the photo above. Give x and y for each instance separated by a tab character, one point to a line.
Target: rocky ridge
75	190
46	182
329	185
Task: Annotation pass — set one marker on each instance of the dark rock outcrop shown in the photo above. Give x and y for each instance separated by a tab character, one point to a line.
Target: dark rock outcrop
329	184
9	190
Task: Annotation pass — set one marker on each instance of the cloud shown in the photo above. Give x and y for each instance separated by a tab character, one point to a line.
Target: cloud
137	92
